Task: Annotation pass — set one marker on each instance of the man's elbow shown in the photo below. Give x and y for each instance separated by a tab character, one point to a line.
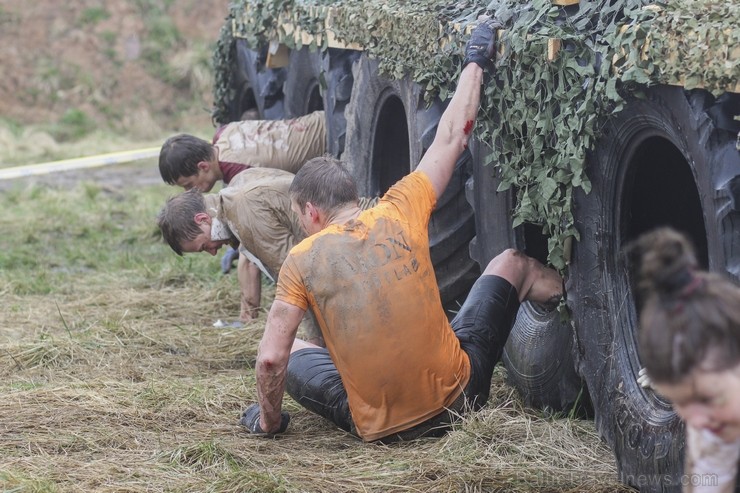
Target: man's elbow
461	143
269	361
455	137
456	144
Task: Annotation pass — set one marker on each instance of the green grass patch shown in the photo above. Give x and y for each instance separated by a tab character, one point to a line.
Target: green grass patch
160	45
205	455
88	233
93	15
246	481
73	125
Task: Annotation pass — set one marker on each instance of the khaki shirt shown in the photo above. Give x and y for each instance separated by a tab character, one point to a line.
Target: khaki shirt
255	207
280	144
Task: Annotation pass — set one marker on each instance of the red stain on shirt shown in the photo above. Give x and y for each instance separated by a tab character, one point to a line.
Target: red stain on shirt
468	127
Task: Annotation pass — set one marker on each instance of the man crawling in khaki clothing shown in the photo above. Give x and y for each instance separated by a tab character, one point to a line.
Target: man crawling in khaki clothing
190	162
254	210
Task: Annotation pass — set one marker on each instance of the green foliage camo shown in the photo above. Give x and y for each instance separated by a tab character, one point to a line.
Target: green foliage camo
540	117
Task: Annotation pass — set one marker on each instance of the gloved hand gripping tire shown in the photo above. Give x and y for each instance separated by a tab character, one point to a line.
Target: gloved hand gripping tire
251	421
481	47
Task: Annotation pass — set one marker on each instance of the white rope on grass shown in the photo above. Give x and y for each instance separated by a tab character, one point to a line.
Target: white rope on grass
78	163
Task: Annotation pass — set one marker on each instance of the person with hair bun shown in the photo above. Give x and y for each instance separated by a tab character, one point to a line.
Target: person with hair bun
690	345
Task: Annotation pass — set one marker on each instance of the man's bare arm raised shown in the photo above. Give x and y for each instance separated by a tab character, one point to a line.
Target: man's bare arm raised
458	118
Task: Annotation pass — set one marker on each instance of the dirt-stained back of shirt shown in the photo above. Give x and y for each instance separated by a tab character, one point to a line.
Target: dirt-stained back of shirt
280	144
372	287
256	208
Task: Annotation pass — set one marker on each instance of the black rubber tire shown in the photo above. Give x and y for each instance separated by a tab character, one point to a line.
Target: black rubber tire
241	103
494	233
265	83
538	355
302	87
321	81
336	69
389	128
637	159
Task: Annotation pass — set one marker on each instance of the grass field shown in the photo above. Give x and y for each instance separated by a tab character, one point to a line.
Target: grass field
112	377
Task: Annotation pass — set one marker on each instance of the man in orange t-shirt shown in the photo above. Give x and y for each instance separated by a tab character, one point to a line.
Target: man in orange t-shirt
393	367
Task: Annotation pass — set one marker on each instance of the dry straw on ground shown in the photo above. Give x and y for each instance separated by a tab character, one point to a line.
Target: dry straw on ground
129	392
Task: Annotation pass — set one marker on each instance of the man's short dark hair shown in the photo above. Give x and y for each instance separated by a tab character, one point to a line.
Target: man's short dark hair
176	220
180	156
325	182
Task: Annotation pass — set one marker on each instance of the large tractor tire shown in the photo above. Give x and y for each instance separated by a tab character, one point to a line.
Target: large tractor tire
321	81
336	67
668	159
262	85
389	127
538	355
302	86
243	105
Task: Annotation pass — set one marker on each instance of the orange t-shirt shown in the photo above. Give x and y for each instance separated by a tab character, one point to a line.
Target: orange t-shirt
371	285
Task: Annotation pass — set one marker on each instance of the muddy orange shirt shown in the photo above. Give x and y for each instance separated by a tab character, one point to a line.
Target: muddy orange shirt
371	285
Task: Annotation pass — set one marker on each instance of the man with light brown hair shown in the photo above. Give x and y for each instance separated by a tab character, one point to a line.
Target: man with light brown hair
254	211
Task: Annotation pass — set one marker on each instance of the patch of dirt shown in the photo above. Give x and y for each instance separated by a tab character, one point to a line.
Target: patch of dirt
138	66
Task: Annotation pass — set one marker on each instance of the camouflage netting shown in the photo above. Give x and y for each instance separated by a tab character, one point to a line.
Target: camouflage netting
540	116
223	62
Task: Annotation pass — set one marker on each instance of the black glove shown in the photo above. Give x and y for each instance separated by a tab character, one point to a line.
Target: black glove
251	421
481	47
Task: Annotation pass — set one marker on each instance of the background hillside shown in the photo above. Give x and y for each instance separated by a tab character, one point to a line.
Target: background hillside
114	71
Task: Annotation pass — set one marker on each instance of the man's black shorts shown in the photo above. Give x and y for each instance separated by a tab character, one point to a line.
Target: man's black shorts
482	326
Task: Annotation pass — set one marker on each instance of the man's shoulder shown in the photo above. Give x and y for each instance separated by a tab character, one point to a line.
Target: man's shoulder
323	241
212	202
413	184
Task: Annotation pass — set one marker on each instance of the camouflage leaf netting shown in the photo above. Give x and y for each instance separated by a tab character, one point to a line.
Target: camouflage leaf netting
540	116
223	62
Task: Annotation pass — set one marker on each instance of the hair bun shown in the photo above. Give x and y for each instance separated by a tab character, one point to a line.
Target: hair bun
666	260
